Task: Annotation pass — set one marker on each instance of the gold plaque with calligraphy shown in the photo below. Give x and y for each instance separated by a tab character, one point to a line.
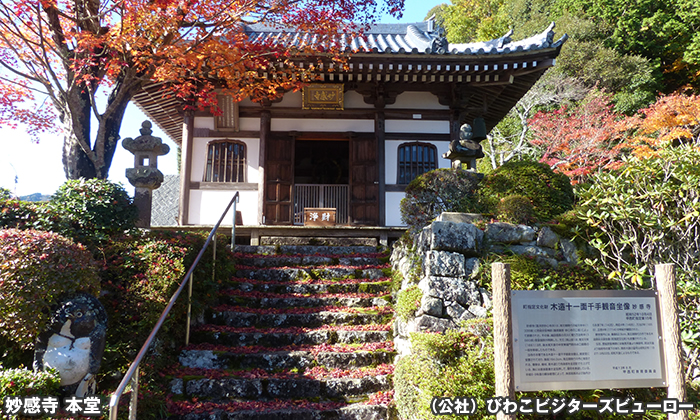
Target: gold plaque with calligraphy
322	96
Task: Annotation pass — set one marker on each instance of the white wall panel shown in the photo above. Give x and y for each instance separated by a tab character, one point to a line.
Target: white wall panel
204	122
417	100
393	208
290	100
354	100
249	124
206	207
417	126
342	126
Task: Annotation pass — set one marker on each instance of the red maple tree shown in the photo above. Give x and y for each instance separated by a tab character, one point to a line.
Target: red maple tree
60	54
580	140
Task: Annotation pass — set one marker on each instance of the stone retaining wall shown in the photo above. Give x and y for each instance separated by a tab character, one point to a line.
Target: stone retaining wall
445	259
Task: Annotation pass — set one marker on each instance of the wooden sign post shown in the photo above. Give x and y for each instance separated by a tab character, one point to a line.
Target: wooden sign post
666	286
503	335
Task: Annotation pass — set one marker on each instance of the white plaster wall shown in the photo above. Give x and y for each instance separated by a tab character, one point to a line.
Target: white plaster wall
289	124
206	207
289	100
204	122
393	208
199	153
417	100
417	126
249	124
247	102
354	100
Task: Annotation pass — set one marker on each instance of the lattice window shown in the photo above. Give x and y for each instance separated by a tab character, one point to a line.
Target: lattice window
226	161
414	159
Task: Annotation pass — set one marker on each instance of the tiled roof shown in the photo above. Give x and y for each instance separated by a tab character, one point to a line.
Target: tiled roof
402	38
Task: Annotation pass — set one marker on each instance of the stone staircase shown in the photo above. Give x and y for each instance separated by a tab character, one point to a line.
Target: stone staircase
301	332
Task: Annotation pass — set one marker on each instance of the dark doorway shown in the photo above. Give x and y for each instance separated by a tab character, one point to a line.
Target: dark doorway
321	162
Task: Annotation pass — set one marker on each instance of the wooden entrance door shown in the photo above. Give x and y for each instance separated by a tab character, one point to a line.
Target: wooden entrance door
364	180
279	178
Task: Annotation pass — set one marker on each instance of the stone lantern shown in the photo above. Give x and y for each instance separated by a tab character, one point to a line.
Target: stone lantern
145	175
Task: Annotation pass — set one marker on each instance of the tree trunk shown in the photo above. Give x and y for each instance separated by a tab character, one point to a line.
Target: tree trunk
83	157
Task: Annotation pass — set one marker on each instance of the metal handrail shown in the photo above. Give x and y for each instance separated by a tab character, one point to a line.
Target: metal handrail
132	372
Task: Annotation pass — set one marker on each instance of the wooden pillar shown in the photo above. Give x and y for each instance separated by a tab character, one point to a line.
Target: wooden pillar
675	378
265	124
186	167
380	130
502	335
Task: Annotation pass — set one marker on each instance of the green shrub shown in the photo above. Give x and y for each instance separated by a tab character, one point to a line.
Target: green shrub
528	274
453	364
408	302
437	191
550	193
5	194
647	213
36	270
27	383
140	272
17	214
89	211
515	209
461	364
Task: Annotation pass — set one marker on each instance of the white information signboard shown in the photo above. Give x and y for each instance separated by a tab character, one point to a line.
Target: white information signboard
580	339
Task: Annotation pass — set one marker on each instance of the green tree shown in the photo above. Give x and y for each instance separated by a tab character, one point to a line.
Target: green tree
475	20
663	32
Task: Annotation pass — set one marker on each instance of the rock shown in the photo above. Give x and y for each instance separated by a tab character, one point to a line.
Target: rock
402	262
549	261
455	311
431	306
471	267
547	237
445	288
202	359
455	217
402	346
485	298
509	234
568	248
444	264
463	238
177	386
478	311
529	251
427	323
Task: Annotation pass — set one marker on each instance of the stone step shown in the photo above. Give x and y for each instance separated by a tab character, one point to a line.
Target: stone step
318	241
274	300
307	260
303	249
378	286
283	360
292	274
270	388
285	337
238	317
296	410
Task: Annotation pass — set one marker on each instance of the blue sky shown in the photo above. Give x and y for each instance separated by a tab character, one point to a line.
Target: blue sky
37	168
